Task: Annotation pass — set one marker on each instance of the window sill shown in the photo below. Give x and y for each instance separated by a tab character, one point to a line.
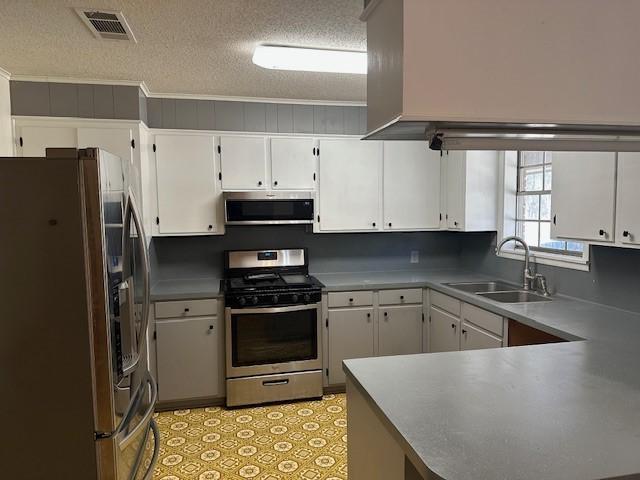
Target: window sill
543	258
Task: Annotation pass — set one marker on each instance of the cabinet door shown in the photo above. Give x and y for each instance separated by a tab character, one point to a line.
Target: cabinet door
187	186
628	214
411	186
444	331
456	180
36	139
473	338
113	140
350	336
583	195
349	185
400	330
243	162
293	164
187	358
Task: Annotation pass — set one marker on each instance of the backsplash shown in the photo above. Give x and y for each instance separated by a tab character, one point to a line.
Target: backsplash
198	257
614	278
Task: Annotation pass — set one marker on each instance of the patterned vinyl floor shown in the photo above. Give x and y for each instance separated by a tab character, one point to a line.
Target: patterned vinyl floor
301	441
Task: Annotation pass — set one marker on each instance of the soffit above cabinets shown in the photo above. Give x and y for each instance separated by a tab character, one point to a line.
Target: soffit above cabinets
478	75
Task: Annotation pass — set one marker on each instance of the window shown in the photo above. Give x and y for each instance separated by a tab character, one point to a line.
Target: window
533	205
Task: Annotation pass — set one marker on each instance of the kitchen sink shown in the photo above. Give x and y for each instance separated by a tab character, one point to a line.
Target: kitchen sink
482	287
515	296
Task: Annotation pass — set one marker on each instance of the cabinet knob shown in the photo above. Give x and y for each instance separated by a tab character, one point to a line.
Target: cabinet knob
351	300
453	325
275	183
464	331
368	315
210	227
389	223
602	233
186	310
385	314
374	224
401	297
210	327
455	224
260	183
625	233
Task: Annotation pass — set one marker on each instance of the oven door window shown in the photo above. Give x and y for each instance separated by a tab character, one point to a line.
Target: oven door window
268	338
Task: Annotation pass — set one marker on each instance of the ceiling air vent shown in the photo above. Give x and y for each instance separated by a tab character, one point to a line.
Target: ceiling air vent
107	24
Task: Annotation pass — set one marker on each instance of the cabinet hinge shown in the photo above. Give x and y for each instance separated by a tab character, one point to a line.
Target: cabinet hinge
318	151
314	177
21	142
326	371
554	219
440	152
133	143
219	175
155	335
219	149
101	435
318	218
440	217
154	147
327	322
314	151
157	220
422	319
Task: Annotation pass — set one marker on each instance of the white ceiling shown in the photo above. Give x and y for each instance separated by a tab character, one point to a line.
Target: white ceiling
186	46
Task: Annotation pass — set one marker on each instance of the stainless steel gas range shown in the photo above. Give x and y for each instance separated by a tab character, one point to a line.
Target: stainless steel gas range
272	326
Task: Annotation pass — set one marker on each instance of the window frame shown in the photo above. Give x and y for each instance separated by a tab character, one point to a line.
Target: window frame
507	208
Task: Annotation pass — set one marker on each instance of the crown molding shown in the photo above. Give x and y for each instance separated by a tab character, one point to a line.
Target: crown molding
5	74
187	96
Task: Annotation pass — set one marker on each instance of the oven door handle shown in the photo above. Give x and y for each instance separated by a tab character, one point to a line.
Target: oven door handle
292	308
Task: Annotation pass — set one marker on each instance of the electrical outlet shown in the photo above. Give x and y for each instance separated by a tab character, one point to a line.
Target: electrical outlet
415	256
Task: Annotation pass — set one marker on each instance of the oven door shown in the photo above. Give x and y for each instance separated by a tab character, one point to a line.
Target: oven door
273	340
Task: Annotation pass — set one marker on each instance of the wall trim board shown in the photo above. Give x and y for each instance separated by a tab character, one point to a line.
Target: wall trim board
184	96
4	73
76	121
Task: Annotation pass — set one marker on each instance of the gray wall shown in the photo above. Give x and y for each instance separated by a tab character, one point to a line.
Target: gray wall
196	257
614	278
129	103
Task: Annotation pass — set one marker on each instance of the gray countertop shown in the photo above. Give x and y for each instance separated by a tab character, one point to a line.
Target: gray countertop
568	410
185	289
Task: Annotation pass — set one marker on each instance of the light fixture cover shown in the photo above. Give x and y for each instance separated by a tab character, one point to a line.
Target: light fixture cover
310	59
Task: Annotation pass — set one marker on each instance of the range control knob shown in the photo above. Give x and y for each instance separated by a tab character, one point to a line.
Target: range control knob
307	297
254	300
242	301
274	299
294	298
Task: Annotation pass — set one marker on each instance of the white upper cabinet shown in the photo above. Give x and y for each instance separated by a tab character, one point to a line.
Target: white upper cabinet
113	140
583	195
243	163
628	199
350	180
33	140
188	197
411	186
471	180
293	163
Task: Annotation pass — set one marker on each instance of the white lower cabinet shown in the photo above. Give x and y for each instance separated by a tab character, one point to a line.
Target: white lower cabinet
350	336
444	331
189	355
455	325
400	330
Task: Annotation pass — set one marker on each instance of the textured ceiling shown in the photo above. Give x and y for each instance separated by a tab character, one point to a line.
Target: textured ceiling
186	46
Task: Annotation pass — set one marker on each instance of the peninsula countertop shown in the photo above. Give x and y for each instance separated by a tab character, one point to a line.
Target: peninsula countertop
568	410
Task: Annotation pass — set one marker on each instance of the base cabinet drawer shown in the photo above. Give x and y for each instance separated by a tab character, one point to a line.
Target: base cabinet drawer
446	303
399	297
487	320
350	299
274	388
188	361
473	338
186	308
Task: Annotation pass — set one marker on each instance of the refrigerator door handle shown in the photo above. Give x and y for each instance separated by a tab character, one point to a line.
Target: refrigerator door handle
122	435
154	457
131	213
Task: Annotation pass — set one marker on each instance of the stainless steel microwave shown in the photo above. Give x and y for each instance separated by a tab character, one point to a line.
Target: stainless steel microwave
268	208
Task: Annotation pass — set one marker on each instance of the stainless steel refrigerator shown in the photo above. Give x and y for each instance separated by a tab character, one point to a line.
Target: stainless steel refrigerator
76	395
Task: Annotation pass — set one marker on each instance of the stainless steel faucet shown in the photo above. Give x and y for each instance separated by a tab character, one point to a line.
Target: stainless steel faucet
526	276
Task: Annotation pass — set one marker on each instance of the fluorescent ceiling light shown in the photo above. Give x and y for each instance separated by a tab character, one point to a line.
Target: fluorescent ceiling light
310	59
